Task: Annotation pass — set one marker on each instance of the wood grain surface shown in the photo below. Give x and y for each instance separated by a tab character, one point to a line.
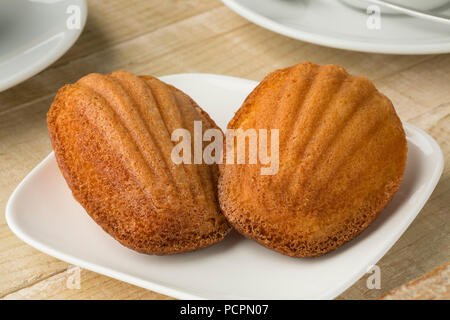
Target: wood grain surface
431	286
161	37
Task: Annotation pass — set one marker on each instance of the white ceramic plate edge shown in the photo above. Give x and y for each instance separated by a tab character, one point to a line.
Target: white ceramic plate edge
326	41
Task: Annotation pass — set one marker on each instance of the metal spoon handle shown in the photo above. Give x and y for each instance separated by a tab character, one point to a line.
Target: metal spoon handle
412	12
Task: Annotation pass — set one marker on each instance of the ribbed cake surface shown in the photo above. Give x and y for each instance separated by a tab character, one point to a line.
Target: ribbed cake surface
112	140
342	153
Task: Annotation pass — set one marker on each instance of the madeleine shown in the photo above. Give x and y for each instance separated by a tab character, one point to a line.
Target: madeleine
112	140
342	153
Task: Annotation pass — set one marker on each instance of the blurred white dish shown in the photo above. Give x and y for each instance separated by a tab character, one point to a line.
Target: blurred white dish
43	213
34	34
335	24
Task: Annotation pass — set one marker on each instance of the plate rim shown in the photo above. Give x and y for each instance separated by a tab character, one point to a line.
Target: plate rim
179	293
329	41
36	67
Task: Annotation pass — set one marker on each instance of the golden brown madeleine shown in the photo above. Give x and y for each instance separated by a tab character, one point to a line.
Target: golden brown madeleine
112	139
342	153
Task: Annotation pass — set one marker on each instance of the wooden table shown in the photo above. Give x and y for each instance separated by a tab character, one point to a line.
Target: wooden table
162	37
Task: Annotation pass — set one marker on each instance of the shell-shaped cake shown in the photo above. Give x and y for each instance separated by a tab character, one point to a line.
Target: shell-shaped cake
112	140
341	153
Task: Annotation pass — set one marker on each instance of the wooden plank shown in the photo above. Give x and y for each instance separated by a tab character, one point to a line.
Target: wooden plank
217	41
435	285
21	265
418	89
74	283
128	55
164	37
112	22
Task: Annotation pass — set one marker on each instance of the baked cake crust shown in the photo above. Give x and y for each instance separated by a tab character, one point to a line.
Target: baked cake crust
112	140
342	154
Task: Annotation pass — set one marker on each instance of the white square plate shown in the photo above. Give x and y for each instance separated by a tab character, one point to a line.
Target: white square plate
42	212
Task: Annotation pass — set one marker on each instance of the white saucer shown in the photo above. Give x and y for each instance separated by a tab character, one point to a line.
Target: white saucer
335	24
42	212
34	34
